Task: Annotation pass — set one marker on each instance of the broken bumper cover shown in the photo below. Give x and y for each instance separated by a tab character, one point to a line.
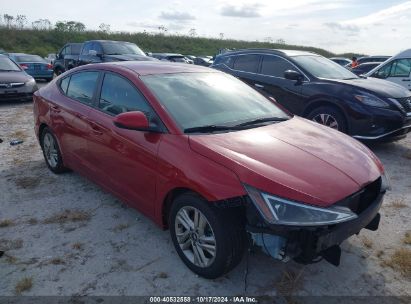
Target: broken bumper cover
309	244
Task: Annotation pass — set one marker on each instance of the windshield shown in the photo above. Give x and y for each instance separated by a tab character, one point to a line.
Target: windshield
28	58
204	99
7	65
322	67
121	48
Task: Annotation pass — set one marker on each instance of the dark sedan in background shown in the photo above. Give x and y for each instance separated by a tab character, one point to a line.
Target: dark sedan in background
171	57
34	65
364	68
15	84
319	89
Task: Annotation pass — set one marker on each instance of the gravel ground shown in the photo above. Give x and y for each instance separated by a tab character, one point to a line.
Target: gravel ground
63	235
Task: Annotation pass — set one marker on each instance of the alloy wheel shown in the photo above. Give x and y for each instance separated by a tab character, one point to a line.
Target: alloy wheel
50	150
326	120
195	236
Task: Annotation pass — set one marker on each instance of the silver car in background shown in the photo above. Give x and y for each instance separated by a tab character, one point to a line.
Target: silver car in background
15	83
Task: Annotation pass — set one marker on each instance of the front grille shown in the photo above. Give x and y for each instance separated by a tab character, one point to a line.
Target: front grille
361	200
406	103
11	85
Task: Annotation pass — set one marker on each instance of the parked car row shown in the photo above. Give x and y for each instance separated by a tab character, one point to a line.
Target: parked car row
314	87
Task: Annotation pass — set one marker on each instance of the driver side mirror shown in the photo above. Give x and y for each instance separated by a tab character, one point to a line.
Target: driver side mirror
293	75
134	120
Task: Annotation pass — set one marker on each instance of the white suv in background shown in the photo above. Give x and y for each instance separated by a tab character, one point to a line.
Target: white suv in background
397	69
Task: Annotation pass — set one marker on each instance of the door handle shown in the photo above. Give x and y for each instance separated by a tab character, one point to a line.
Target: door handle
260	86
96	129
55	108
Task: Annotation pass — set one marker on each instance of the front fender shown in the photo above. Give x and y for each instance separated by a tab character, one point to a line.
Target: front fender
198	173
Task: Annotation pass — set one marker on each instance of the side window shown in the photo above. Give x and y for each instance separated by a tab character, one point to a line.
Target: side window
384	71
97	47
64	84
401	68
275	66
82	86
228	61
118	95
247	63
86	49
63	52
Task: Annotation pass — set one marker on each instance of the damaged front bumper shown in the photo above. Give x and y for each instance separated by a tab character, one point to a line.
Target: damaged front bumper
309	244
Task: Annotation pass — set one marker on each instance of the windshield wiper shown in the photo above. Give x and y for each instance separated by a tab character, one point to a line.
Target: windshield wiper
208	128
261	120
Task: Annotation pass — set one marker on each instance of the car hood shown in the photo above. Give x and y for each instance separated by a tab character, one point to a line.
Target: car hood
129	57
18	76
381	87
296	159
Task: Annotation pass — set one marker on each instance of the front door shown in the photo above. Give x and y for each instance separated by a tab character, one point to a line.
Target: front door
125	161
271	80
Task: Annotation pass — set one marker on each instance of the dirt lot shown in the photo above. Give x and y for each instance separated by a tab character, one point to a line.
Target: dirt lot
62	235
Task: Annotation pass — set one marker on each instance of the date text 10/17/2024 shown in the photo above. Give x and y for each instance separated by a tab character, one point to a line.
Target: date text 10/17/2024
203	299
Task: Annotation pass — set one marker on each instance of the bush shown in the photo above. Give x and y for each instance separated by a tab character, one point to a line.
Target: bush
42	42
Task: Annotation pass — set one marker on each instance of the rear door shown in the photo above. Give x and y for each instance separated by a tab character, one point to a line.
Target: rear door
69	116
125	161
246	67
271	80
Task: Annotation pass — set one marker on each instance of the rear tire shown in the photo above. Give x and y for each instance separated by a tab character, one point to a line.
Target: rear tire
214	243
51	152
330	117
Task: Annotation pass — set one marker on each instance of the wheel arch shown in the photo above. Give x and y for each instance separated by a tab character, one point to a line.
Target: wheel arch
327	102
168	201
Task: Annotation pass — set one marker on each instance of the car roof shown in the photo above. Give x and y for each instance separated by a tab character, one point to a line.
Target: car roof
289	53
404	54
168	54
99	40
143	68
376	56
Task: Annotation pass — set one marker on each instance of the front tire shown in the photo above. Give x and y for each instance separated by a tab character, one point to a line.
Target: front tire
330	117
210	241
51	152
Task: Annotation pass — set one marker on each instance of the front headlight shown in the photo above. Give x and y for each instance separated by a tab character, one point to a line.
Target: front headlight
371	100
276	210
31	81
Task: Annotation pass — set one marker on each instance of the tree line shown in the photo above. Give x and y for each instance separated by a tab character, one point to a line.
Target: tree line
41	37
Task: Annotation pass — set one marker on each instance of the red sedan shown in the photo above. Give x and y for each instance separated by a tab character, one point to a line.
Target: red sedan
208	157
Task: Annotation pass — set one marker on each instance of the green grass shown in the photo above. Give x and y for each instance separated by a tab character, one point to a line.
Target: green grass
42	42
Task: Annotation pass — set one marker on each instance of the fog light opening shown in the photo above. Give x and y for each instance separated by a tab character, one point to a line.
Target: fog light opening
272	245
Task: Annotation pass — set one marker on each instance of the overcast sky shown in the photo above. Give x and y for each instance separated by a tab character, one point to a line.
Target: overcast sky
367	26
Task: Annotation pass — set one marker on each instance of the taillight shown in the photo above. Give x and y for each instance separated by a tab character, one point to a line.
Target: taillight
24	66
49	66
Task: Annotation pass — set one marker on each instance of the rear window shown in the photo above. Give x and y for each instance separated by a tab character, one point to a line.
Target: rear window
29	58
247	63
82	86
